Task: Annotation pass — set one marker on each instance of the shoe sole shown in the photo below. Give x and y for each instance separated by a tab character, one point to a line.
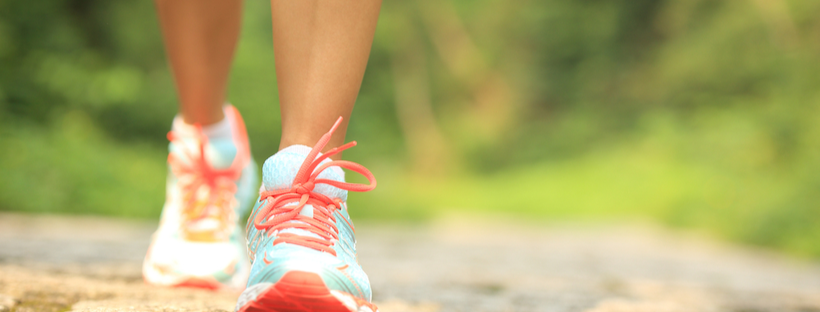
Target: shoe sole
299	291
157	278
195	282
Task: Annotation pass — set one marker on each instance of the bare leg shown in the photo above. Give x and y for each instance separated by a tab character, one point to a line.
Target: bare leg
200	38
321	49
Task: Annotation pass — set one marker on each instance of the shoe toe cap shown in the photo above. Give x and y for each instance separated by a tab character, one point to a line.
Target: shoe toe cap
335	274
170	262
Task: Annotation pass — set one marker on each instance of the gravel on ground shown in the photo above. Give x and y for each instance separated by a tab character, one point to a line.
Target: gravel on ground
73	263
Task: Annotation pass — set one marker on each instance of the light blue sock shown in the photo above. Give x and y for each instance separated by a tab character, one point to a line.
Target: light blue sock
280	169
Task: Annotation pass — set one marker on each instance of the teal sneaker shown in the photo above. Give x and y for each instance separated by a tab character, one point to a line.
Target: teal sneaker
300	238
199	242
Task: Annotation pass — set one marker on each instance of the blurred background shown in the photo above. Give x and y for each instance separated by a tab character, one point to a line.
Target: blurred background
696	114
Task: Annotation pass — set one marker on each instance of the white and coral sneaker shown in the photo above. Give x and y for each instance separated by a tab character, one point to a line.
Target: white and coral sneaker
300	236
211	183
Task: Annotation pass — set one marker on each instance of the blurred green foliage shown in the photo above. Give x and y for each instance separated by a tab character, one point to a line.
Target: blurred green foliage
699	113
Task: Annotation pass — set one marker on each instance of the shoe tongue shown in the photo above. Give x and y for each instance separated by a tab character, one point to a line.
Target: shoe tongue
280	169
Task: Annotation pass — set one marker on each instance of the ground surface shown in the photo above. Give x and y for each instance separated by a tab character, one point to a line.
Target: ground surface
93	264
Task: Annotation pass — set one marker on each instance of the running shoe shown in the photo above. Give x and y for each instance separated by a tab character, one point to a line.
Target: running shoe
300	237
199	242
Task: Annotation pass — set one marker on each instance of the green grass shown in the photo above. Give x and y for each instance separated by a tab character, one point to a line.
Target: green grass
718	179
70	167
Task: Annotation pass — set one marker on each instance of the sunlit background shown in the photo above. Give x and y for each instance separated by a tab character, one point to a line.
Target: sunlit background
696	114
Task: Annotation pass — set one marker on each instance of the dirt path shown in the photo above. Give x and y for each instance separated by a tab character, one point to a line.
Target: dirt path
92	264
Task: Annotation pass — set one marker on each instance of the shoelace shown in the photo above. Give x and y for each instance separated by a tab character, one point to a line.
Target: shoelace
278	212
193	172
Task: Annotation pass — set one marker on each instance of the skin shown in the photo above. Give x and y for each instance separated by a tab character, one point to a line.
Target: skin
321	49
200	39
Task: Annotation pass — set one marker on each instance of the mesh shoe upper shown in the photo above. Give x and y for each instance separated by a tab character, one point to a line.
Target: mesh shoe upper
209	182
301	222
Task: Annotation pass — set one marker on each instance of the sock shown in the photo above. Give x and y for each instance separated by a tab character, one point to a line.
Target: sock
220	150
280	169
220	130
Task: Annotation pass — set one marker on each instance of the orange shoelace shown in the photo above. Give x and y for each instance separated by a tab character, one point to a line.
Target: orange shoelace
194	173
279	212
